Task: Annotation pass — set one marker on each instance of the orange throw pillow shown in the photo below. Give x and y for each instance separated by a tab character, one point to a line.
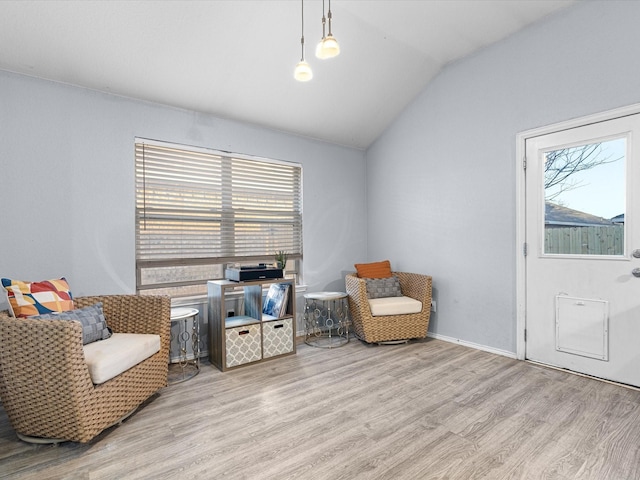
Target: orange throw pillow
374	270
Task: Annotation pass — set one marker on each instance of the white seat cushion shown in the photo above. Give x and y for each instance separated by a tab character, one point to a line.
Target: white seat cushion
109	358
394	306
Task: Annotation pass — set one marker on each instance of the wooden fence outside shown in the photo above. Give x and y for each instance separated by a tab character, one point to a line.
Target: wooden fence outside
595	240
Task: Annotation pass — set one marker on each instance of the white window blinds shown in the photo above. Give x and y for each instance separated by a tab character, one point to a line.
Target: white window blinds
196	207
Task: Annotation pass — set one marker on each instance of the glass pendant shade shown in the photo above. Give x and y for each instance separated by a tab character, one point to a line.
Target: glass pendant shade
303	72
328	48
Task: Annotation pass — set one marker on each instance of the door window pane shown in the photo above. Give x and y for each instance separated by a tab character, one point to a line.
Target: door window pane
585	199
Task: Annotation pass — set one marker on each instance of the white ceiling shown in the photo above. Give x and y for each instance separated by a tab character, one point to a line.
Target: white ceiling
235	58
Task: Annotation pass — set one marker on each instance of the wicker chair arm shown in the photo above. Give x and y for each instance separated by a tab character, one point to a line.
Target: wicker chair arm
132	313
416	286
357	292
54	345
135	314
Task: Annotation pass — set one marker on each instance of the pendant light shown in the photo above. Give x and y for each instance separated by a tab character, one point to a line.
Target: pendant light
328	46
303	72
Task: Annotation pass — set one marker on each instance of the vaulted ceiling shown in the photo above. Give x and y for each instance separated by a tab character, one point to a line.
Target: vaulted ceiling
235	58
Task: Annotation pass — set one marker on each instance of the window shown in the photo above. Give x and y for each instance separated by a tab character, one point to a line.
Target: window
198	210
585	197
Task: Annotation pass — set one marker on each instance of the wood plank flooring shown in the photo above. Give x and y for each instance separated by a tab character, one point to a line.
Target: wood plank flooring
426	410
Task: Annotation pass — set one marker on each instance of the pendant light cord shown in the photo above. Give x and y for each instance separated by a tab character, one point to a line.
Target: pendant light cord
324	21
302	37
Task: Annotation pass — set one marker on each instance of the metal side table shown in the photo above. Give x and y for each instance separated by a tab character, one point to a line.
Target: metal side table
185	368
326	319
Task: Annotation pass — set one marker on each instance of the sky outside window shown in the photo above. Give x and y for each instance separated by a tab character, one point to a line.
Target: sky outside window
600	190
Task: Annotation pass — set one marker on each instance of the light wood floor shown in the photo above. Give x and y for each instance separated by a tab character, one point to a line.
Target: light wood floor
425	410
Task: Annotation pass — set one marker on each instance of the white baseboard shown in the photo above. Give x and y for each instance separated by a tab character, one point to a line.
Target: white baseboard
477	346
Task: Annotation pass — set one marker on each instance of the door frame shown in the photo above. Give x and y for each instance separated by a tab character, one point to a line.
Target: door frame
521	266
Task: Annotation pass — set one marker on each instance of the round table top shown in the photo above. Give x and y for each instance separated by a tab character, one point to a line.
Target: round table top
180	313
325	295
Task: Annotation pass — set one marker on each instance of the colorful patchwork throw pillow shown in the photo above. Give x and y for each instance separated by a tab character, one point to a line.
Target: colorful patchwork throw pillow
35	298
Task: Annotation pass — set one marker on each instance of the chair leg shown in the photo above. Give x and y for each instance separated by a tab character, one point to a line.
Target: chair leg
394	342
40	440
384	342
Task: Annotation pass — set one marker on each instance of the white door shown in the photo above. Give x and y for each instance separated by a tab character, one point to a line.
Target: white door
583	249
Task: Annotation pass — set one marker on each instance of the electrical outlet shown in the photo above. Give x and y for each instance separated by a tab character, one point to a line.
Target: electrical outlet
433	305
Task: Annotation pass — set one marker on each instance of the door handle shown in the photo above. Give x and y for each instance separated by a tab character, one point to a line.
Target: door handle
636	272
636	253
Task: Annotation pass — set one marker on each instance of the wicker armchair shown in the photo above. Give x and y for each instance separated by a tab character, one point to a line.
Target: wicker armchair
389	328
45	385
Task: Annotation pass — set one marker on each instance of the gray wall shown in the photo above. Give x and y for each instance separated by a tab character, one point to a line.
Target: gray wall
67	179
441	180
